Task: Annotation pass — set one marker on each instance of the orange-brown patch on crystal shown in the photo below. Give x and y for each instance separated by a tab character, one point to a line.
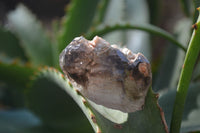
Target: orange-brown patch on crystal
143	69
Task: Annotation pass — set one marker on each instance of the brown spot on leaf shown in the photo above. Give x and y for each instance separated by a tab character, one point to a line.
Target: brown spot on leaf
70	84
62	76
157	95
163	118
183	65
77	91
93	118
98	130
195	26
84	101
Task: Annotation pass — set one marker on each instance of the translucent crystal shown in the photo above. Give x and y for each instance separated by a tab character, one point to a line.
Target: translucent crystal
107	75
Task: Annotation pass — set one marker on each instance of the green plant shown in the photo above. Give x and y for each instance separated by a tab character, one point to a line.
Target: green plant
36	97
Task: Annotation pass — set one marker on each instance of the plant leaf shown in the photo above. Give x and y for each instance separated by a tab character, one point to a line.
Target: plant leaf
103	30
35	42
141	121
10	45
15	74
78	20
190	119
53	106
185	78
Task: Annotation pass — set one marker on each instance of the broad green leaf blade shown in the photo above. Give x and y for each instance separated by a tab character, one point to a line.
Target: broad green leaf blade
30	32
150	119
53	106
190	119
10	45
78	20
15	75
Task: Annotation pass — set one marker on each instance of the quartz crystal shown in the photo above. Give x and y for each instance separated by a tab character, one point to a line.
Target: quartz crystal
107	75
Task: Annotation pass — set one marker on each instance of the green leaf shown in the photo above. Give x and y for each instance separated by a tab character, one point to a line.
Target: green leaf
138	122
185	77
36	44
43	103
190	119
15	75
78	20
10	45
53	106
14	78
100	31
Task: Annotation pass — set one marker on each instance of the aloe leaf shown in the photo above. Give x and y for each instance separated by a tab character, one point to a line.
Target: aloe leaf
14	77
190	119
10	45
35	43
42	103
103	30
15	74
136	122
185	77
78	20
53	106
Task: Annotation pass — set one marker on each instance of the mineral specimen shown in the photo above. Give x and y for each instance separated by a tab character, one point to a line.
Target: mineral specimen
107	75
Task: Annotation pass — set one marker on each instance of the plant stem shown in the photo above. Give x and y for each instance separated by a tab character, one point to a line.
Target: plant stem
185	77
144	27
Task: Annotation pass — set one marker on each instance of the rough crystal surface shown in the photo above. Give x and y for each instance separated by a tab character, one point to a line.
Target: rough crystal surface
107	75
